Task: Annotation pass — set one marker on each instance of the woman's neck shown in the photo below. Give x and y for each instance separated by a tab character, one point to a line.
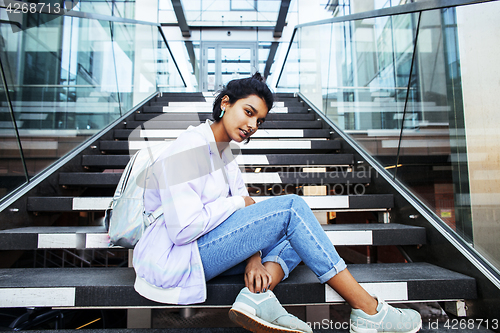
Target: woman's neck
220	135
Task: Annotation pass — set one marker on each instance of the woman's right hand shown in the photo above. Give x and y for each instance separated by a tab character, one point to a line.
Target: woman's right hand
248	201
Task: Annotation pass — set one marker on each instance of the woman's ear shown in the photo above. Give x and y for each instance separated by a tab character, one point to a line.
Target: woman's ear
224	102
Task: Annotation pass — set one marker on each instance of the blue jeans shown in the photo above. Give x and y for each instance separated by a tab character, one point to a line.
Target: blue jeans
283	228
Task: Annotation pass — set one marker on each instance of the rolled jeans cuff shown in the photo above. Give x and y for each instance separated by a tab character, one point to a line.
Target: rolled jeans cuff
280	261
337	268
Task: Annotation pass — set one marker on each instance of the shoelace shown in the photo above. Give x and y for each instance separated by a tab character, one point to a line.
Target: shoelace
396	310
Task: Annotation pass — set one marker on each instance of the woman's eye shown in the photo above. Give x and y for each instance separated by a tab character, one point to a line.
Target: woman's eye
248	112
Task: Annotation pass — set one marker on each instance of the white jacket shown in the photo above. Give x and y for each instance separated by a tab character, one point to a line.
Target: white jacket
196	195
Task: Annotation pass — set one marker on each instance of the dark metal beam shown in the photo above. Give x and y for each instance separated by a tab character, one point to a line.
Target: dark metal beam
181	18
280	22
192	56
270	59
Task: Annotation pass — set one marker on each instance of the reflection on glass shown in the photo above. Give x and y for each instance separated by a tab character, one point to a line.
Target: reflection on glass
12	172
426	165
474	70
357	73
428	114
211	69
135	53
65	89
289	75
118	8
168	77
68	78
235	63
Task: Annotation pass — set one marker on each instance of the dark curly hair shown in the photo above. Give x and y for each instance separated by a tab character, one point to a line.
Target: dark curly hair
242	88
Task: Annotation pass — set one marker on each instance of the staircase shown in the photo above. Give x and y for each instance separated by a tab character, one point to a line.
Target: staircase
63	258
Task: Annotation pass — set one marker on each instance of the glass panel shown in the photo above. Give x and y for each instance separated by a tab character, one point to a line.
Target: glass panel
432	131
121	8
451	159
65	86
134	49
60	97
235	63
289	80
314	53
263	50
168	77
478	49
12	172
211	69
357	73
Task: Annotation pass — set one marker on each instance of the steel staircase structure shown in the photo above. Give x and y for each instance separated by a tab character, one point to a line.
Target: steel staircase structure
57	248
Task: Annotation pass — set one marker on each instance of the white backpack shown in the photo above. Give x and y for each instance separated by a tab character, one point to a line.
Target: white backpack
125	217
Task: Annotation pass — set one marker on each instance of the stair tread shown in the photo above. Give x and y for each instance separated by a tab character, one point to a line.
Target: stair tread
204	116
300	178
300	146
96	287
183	124
95	237
370	202
159	108
161	133
308	160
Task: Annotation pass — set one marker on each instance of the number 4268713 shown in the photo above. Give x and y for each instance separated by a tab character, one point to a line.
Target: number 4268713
25	7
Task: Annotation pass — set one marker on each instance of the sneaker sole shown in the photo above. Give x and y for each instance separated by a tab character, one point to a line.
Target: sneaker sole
371	330
256	324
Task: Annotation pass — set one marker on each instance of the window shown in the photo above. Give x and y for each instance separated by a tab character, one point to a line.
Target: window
250	5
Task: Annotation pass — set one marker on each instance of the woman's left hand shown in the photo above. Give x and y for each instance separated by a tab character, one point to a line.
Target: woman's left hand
257	278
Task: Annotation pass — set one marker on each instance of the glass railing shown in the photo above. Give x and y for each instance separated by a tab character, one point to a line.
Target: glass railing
417	91
65	78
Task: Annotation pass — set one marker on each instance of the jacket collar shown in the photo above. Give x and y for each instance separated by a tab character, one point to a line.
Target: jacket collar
206	130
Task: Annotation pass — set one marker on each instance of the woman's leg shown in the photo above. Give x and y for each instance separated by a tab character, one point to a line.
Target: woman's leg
264	225
261	225
280	260
220	255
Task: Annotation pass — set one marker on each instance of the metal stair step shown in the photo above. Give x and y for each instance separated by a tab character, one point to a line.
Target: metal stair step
209	103
266	125
204	116
174	133
156	107
261	146
113	287
270	178
366	202
31	238
183	96
307	160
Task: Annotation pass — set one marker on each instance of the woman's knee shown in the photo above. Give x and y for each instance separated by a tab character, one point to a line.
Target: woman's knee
298	201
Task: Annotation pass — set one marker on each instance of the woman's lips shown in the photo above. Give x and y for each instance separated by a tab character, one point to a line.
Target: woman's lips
243	134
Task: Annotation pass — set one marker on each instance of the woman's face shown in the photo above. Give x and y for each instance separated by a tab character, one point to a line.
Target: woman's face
243	118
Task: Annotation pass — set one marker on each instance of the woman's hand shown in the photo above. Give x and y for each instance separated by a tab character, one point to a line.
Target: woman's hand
257	278
248	201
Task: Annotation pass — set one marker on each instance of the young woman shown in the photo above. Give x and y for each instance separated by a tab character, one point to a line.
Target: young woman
211	225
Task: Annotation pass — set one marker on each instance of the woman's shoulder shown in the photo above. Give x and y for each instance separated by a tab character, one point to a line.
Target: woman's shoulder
188	140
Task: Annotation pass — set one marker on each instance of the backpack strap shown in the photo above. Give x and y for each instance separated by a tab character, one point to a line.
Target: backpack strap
152	217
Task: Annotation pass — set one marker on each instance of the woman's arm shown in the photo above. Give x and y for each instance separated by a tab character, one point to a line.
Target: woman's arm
189	192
